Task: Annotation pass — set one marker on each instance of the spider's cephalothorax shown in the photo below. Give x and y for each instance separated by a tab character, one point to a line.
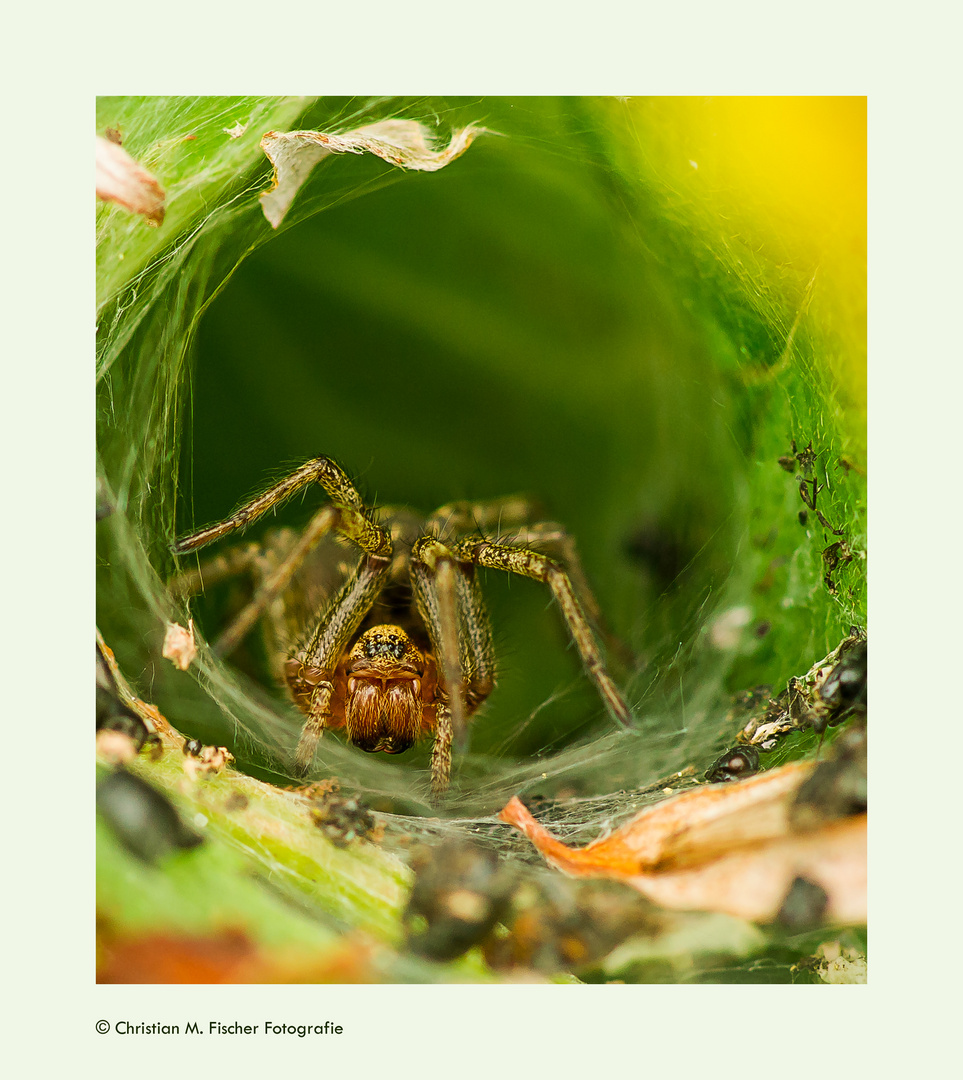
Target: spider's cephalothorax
398	645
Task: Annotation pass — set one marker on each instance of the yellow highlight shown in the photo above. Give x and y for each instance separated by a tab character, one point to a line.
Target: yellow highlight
785	178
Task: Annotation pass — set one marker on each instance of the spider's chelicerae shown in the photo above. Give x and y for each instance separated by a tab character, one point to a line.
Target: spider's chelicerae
397	643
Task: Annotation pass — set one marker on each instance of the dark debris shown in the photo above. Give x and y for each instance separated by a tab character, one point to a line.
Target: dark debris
144	819
837	787
113	714
821	699
562	925
804	906
736	763
461	891
843	692
344	820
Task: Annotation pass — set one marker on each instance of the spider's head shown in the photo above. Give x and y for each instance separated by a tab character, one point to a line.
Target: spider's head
383	703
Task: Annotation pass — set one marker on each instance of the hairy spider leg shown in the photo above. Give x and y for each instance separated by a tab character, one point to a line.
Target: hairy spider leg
313	664
258	564
322	470
478	651
346	515
458	518
341	619
232	562
453	611
441	750
433	579
533	564
559	544
514	520
327	519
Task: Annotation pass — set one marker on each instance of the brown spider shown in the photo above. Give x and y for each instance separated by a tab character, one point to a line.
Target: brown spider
399	644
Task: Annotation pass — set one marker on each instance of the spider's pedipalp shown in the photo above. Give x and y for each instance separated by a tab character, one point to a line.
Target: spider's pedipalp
319	714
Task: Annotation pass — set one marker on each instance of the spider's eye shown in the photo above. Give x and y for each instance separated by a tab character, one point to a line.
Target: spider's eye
385	645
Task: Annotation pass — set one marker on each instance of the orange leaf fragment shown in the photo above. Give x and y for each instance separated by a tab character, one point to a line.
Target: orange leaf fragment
722	847
226	956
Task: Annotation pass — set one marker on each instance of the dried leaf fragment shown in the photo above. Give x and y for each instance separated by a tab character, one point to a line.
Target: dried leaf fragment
179	646
122	180
838	965
205	761
730	848
156	718
404	143
115	747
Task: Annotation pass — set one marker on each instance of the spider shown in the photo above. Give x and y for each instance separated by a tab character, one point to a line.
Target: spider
398	645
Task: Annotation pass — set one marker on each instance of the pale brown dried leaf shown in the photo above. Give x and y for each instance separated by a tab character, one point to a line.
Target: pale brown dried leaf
115	747
179	645
207	762
122	180
839	965
150	714
404	143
